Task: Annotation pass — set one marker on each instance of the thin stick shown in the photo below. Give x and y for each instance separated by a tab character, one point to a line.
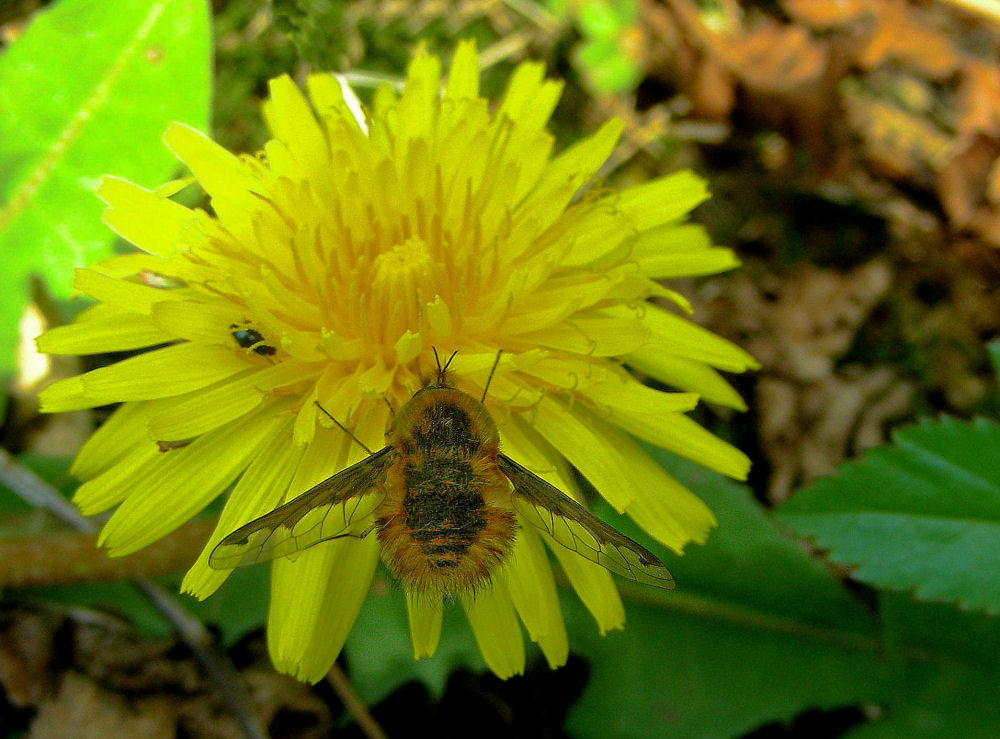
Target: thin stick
490	378
343	428
353	703
33	489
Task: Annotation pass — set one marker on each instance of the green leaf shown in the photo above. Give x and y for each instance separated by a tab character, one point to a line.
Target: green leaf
121	599
88	90
607	67
922	515
945	672
755	632
380	655
240	605
606	18
993	349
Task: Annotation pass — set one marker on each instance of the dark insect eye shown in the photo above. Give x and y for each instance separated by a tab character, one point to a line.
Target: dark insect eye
248	337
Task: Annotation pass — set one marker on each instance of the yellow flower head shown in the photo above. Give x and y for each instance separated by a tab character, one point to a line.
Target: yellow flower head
331	269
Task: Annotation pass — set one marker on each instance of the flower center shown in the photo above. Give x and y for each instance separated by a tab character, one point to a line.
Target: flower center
402	280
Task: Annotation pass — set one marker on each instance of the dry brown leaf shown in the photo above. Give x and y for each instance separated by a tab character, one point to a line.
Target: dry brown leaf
799	325
26	653
903	35
898	144
978	99
963	182
82	710
774	58
815	312
286	704
825	14
808	429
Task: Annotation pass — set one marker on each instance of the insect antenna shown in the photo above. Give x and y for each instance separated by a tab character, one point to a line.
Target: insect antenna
490	378
343	428
392	411
442	370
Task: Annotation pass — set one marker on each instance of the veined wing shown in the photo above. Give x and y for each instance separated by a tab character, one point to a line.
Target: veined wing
323	512
576	528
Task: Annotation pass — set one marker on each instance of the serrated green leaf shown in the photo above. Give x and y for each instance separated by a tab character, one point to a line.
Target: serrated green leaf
756	631
922	515
88	90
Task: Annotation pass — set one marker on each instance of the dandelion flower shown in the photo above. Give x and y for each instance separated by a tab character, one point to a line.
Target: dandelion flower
330	269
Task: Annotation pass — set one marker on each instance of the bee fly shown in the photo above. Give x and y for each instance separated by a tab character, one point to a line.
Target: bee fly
444	501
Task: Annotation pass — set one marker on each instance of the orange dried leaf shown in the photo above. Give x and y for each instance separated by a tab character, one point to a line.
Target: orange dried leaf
903	36
825	14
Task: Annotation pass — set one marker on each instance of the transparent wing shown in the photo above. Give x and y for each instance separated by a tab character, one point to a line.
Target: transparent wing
576	528
323	512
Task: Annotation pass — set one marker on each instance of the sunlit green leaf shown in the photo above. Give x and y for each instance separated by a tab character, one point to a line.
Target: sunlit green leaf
88	90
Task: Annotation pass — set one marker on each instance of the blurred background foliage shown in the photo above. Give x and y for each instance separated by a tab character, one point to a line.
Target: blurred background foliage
852	147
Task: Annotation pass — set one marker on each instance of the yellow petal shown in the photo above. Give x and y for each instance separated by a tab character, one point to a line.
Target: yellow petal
180	483
578	162
425	613
592	583
206	322
686	374
122	332
530	98
666	199
680	251
623	392
259	491
672	515
595	587
315	601
593	448
117	437
679	336
596	333
230	399
161	373
680	434
494	623
118	481
463	76
130	297
292	122
221	174
533	592
147	219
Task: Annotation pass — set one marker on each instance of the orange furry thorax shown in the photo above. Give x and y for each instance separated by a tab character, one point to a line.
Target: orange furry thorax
446	522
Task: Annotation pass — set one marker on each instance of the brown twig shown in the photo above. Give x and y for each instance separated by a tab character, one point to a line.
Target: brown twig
190	630
63	557
353	703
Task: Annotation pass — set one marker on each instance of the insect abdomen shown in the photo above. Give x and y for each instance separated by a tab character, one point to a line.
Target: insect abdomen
442	510
442	533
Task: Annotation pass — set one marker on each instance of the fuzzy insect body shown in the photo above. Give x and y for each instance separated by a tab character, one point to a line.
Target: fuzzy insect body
446	522
444	502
